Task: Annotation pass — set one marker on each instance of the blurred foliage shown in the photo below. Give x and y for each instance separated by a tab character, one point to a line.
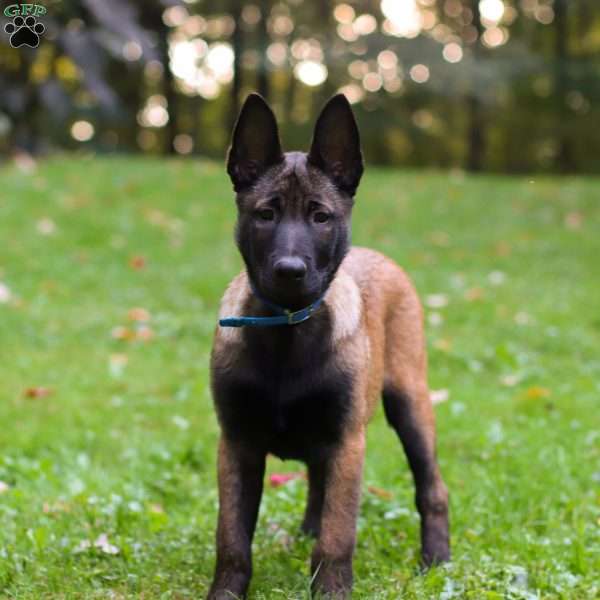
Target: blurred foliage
504	85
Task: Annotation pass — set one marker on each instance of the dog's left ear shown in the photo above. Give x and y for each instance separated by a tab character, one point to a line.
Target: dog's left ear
255	145
335	147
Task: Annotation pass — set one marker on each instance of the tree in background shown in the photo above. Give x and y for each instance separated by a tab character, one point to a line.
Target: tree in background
479	84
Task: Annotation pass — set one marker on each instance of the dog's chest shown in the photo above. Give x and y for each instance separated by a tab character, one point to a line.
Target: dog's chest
292	398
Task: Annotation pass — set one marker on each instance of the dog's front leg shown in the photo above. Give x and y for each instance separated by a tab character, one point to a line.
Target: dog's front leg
331	563
241	470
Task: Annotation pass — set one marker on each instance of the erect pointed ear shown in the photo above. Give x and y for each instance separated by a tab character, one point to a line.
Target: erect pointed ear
336	145
255	145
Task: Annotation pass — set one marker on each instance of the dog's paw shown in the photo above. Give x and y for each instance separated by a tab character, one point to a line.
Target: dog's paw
435	552
332	580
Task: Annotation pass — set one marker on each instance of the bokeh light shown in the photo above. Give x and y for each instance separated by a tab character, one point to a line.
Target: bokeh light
82	131
403	18
372	82
365	24
452	52
354	92
183	143
419	73
491	10
132	51
344	13
494	37
154	113
310	72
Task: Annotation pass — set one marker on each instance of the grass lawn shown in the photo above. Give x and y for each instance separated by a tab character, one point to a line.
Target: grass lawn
110	275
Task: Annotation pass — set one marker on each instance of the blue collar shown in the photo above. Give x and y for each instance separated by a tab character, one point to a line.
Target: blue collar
285	316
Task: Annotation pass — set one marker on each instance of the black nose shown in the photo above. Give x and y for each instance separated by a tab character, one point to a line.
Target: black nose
290	267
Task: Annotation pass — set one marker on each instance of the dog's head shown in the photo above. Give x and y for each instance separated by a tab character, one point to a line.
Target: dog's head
294	209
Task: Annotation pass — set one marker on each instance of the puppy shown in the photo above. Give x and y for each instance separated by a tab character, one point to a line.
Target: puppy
312	334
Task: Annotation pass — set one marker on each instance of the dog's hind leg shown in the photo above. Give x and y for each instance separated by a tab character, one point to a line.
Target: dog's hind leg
409	411
405	412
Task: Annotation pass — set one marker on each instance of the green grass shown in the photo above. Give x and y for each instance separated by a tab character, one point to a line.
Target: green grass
128	450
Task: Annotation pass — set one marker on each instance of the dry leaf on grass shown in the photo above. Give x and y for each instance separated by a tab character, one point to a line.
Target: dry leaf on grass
443	344
37	392
137	263
573	220
535	392
144	334
380	492
122	333
138	314
279	479
474	294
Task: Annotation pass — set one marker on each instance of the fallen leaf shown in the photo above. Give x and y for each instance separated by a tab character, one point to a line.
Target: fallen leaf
144	334
278	479
37	392
439	396
536	391
122	333
502	249
137	262
473	294
573	220
442	344
4	487
380	492
138	314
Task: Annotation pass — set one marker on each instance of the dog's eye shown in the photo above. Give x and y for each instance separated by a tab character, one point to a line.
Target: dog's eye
320	217
266	214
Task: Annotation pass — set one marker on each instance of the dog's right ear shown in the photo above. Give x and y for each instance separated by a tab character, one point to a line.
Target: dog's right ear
255	145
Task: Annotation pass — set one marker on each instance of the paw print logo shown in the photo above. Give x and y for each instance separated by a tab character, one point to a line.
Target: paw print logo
24	32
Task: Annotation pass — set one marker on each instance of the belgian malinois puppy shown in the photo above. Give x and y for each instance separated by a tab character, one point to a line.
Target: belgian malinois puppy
312	334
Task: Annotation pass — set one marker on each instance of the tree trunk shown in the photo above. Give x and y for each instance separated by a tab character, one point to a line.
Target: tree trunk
564	155
237	41
476	126
263	85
